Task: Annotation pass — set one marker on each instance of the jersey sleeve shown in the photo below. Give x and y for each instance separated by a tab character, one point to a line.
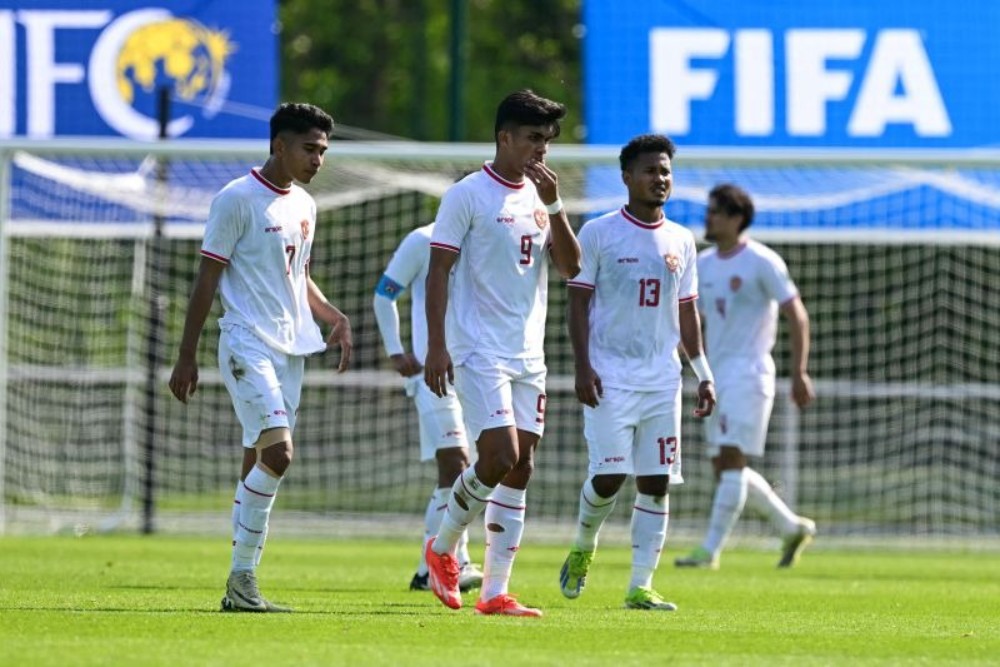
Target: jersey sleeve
775	278
589	258
410	257
224	228
454	219
688	288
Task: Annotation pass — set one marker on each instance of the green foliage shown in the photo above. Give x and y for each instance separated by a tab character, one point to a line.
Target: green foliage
152	601
384	65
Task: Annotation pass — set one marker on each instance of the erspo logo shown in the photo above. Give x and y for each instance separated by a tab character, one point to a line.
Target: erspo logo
133	54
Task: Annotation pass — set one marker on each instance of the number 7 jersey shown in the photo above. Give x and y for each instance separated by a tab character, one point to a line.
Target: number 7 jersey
499	290
639	272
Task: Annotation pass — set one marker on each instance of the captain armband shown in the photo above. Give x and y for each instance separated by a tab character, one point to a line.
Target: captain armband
388	288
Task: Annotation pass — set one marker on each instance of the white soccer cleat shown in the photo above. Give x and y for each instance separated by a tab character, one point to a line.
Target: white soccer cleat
242	595
794	543
469	577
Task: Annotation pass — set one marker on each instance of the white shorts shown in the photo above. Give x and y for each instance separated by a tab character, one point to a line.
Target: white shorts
501	392
740	418
265	384
635	433
441	425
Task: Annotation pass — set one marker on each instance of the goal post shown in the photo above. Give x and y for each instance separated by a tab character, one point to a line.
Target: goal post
895	253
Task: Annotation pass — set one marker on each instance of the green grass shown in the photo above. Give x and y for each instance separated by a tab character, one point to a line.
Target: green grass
127	600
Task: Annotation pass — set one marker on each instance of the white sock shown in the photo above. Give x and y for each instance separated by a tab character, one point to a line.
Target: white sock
259	490
432	522
462	549
594	509
730	496
237	502
762	498
466	500
504	527
650	516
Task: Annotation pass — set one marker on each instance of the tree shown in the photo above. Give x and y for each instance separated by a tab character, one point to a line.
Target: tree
383	65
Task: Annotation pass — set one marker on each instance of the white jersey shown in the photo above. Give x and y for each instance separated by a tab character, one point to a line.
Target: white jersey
263	234
740	294
408	269
499	295
639	272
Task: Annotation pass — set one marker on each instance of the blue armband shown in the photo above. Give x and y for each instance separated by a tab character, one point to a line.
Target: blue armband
388	288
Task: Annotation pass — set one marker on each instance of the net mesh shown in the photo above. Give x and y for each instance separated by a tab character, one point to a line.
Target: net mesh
894	261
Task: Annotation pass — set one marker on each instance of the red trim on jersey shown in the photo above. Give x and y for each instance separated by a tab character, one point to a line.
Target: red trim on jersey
636	221
445	246
500	179
687	298
217	258
578	283
731	252
268	184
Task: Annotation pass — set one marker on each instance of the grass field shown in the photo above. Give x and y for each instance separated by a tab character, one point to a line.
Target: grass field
129	600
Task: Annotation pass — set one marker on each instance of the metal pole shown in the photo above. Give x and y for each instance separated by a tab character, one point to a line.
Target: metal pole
456	88
156	318
5	197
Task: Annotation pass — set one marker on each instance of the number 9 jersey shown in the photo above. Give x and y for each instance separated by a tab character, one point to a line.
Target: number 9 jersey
639	272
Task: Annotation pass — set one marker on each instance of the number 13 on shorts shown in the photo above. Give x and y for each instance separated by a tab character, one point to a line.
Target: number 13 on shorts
668	450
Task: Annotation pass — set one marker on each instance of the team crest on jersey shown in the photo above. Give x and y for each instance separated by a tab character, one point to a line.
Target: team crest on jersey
735	283
673	262
305	229
541	218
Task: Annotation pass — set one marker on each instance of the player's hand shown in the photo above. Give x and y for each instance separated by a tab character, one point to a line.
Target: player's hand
546	181
341	336
706	399
438	371
588	386
184	379
802	390
406	364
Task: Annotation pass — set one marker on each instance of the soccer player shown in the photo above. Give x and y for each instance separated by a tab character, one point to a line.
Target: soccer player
498	228
744	285
256	253
631	304
442	433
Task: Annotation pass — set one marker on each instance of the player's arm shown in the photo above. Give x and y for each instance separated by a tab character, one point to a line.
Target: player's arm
438	371
588	382
326	312
798	322
565	249
387	317
184	378
691	341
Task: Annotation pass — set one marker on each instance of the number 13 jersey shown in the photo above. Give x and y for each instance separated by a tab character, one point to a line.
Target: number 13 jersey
639	272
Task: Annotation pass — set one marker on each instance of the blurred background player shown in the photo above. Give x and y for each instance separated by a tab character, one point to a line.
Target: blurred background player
498	227
630	305
442	432
256	252
743	286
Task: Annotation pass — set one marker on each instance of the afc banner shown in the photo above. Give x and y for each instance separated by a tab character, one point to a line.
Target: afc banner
790	73
94	67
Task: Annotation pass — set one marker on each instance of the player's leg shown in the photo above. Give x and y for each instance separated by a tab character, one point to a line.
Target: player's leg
264	387
729	499
609	430
484	389
656	457
504	517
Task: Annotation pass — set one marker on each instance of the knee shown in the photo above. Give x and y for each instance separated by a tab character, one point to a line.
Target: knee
607	486
451	463
277	457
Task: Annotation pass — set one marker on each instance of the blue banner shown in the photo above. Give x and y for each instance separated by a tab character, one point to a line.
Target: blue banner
93	67
853	73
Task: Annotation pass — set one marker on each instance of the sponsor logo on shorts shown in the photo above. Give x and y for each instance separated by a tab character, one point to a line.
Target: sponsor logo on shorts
280	413
501	412
450	434
614	459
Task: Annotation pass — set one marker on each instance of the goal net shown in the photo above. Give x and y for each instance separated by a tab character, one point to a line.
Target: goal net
896	257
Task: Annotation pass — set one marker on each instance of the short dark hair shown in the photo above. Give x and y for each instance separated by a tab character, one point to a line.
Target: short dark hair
525	107
299	118
735	201
645	143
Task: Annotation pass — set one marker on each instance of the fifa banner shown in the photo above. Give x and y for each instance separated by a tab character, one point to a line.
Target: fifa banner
94	67
853	74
